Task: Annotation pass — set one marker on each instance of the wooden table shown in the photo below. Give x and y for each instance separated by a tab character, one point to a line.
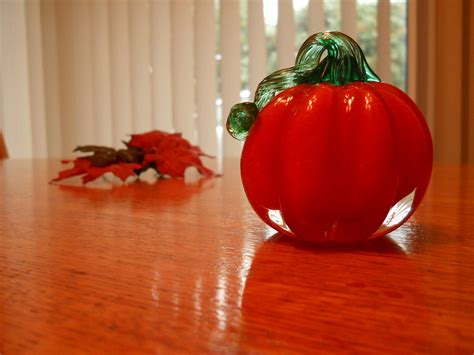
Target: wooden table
176	267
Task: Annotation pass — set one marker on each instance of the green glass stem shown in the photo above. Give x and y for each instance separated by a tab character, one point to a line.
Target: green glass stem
241	118
344	63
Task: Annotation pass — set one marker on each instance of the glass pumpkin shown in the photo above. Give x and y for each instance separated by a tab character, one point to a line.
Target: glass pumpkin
332	154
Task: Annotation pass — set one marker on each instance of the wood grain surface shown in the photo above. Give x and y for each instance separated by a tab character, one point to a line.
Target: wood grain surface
179	267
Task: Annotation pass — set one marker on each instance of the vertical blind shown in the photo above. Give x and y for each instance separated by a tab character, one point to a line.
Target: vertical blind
93	71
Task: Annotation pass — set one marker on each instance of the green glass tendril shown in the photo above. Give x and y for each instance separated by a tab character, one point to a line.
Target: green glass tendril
344	63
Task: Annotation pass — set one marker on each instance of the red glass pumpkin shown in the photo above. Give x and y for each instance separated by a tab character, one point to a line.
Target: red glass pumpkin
337	162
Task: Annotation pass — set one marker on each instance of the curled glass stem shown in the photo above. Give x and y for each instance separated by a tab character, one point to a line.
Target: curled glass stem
344	63
241	118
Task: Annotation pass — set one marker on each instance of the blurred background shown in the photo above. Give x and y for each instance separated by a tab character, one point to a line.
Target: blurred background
93	71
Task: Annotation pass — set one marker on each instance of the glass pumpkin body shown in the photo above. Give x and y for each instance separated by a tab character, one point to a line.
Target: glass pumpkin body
331	153
337	163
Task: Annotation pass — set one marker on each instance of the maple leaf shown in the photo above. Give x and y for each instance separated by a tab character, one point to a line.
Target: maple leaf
130	155
102	156
121	170
174	162
151	141
174	154
84	166
80	167
105	156
169	153
147	140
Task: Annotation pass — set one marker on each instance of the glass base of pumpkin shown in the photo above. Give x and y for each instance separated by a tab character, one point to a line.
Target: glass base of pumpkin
396	216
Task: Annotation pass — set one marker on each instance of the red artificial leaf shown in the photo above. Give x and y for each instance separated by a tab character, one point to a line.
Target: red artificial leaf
84	166
170	154
80	167
174	154
121	170
152	141
173	162
147	140
197	149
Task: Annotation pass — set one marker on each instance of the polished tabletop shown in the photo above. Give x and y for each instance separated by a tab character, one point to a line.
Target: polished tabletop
186	266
